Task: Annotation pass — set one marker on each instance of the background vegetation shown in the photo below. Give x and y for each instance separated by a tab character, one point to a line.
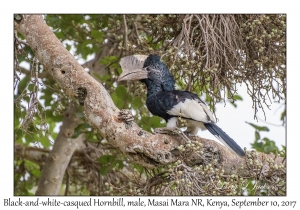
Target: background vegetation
207	54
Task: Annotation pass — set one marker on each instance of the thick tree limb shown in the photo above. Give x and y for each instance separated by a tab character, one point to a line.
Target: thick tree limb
78	162
60	156
142	147
99	109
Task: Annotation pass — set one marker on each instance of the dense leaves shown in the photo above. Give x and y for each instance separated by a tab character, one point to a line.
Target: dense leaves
208	54
263	144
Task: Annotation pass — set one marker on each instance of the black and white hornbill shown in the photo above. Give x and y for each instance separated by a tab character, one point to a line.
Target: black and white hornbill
170	104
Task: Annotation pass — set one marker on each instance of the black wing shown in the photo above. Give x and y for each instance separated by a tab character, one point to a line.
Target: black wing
175	103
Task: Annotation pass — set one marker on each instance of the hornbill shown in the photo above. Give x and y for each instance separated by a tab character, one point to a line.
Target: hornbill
170	104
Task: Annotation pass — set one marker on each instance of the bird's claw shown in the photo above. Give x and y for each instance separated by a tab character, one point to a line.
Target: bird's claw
161	131
173	131
125	115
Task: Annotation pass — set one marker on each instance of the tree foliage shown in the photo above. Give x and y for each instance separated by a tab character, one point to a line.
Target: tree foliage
207	54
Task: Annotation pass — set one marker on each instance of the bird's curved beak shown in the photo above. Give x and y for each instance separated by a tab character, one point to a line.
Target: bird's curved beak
132	67
137	74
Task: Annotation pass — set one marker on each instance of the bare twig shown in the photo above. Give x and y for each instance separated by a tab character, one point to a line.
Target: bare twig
125	38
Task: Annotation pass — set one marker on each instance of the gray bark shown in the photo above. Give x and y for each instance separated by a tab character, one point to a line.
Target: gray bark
101	113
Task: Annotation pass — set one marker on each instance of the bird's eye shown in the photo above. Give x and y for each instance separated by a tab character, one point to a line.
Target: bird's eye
148	68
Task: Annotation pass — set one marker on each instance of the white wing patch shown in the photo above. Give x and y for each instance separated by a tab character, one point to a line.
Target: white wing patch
172	123
192	109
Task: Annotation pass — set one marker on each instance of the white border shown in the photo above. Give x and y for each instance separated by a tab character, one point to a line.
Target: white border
153	6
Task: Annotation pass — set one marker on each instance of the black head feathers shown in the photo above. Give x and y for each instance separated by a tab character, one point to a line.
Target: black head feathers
159	76
152	60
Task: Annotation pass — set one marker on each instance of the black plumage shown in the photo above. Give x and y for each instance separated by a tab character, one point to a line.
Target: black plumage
159	103
170	104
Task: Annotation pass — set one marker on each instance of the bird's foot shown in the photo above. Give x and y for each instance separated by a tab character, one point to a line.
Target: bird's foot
173	130
125	115
187	133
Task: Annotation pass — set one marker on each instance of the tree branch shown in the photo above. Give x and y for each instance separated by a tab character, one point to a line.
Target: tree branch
44	74
99	109
33	154
125	38
141	147
60	156
79	161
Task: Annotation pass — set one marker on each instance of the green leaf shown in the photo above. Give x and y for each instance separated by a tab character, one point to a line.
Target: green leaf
155	121
257	136
116	100
87	42
121	92
79	114
68	47
144	123
47	97
283	115
23	83
30	87
138	167
45	141
76	134
250	187
36	173
54	135
265	145
105	169
81	128
105	78
263	193
237	97
105	159
108	162
21	58
92	138
258	146
233	104
98	35
259	128
137	103
120	164
119	70
109	60
268	149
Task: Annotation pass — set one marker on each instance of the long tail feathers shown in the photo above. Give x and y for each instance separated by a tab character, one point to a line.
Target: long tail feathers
224	138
